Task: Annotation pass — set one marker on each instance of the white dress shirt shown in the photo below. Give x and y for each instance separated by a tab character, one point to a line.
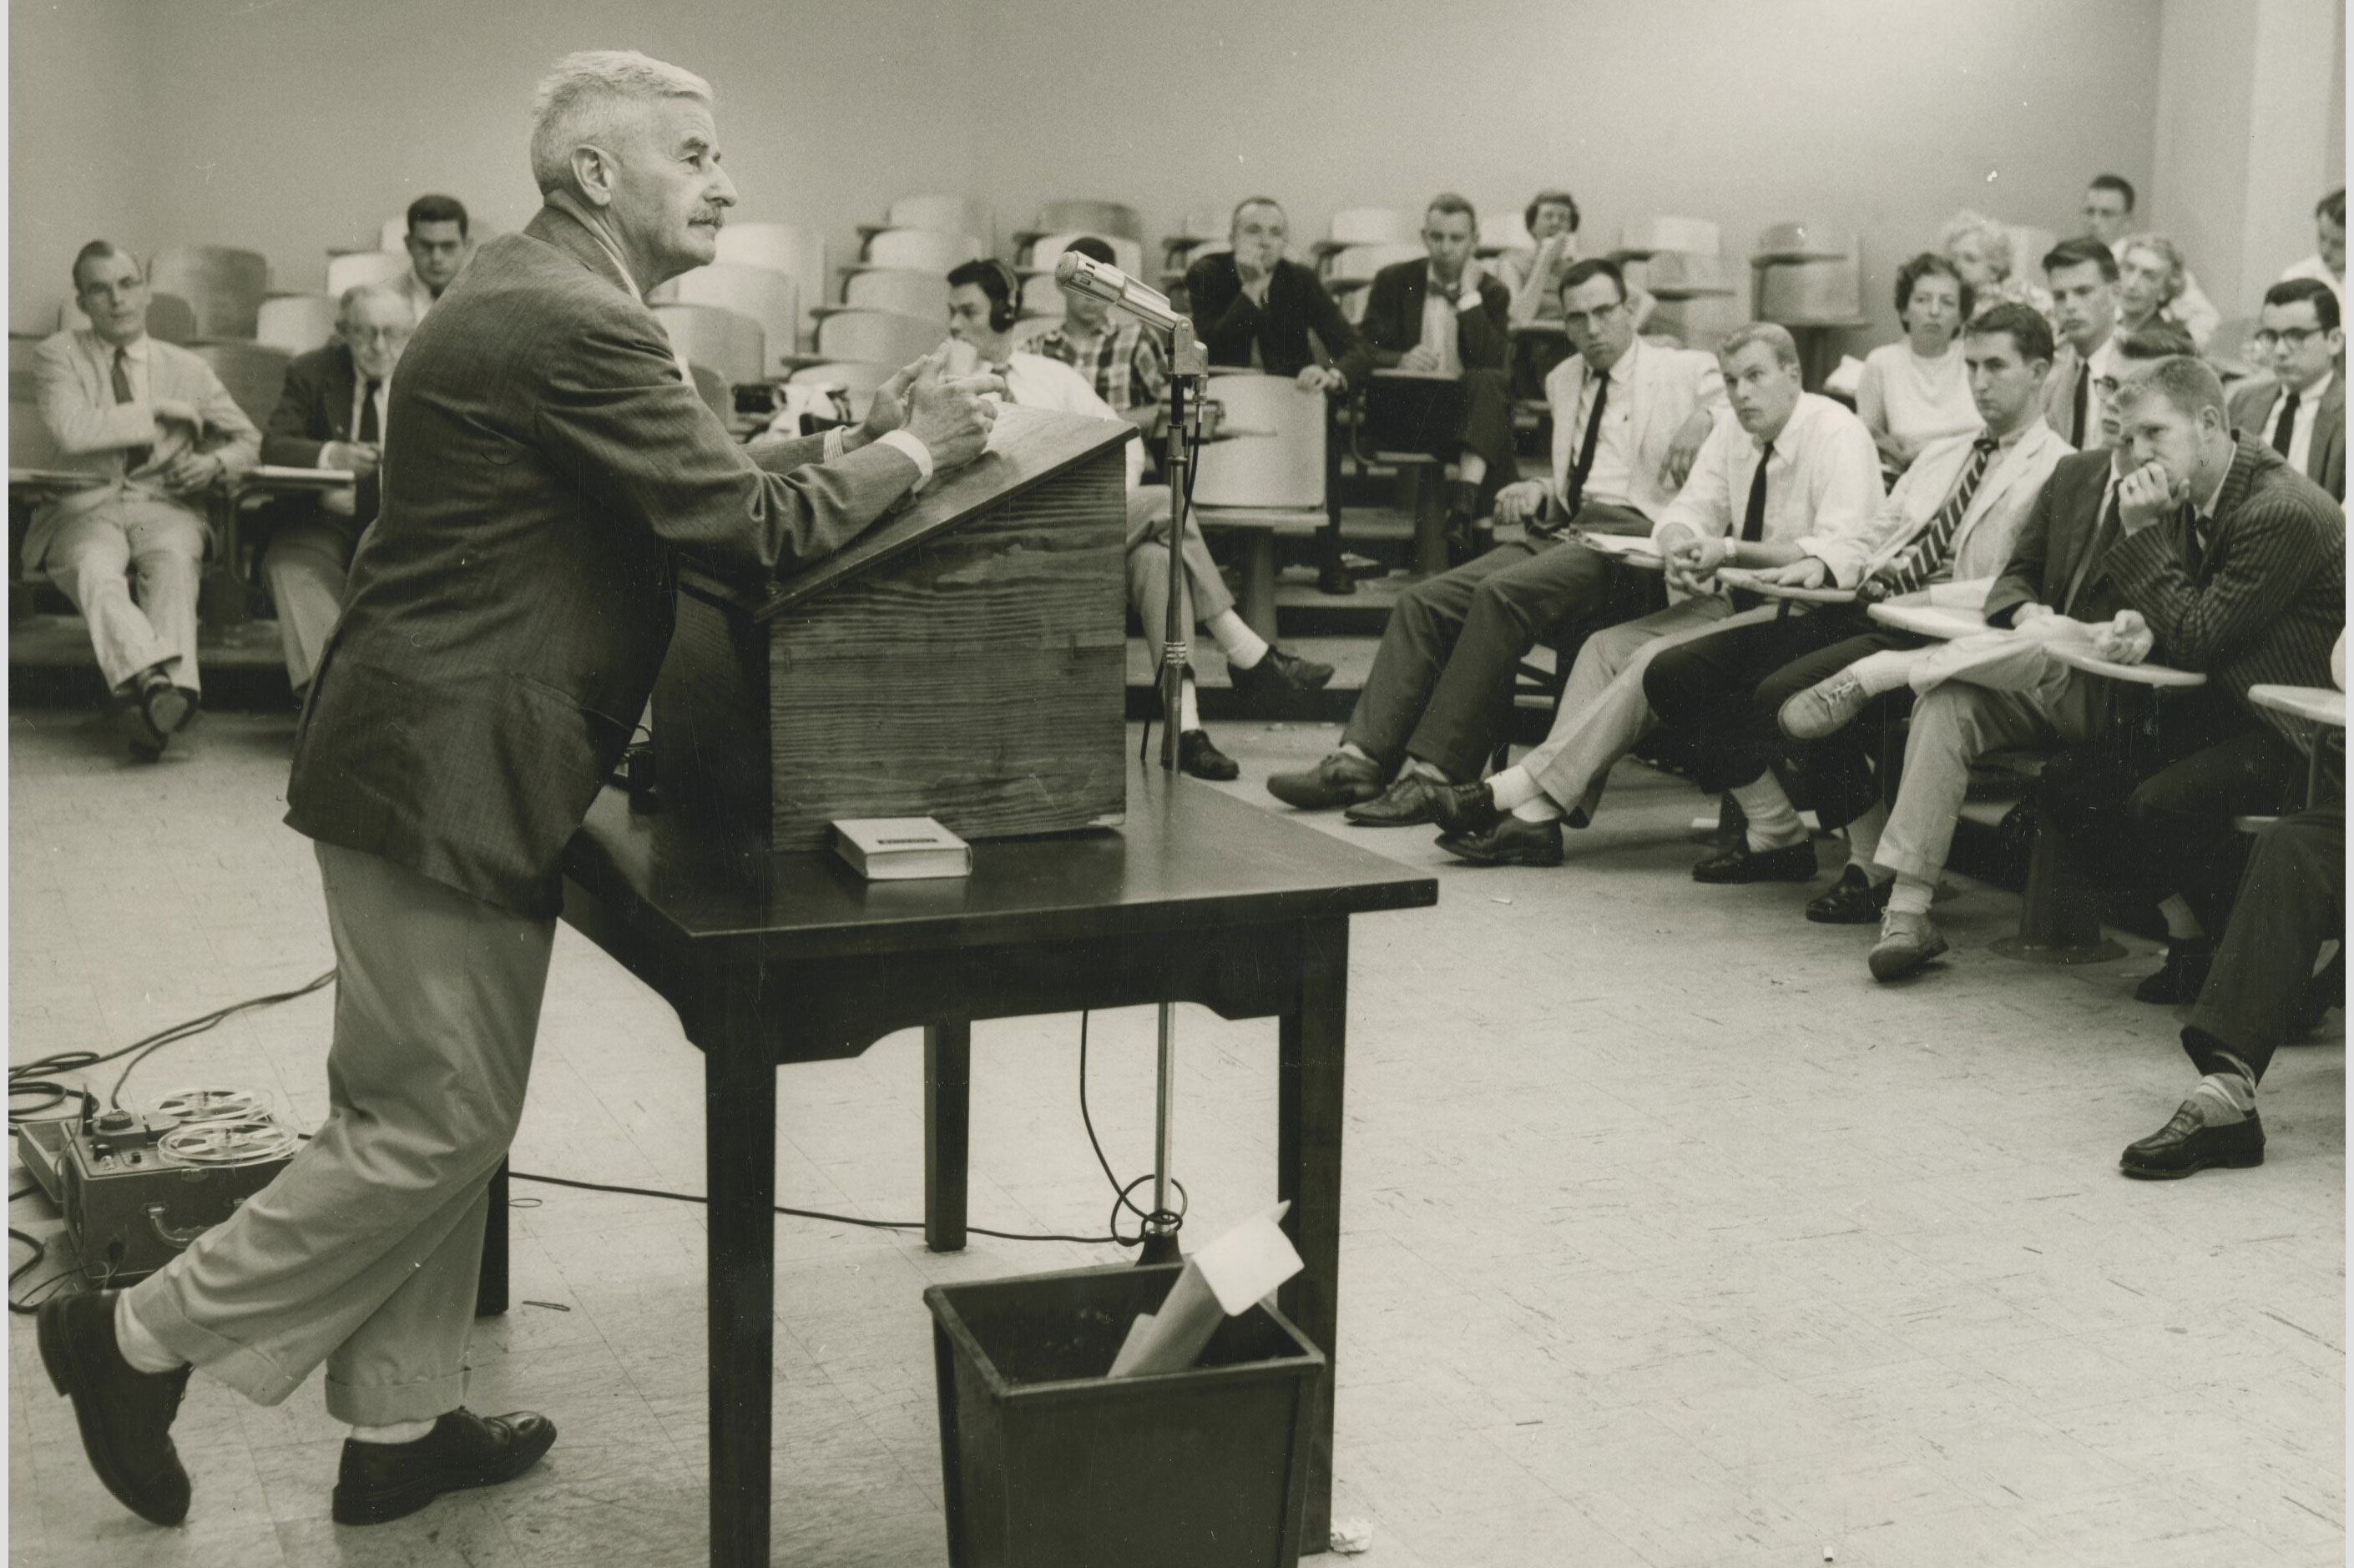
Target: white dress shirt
1035	381
2300	439
1610	479
1439	328
1822	487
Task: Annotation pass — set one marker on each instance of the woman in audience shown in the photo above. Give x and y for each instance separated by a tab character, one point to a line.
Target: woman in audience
2150	272
1914	391
1981	249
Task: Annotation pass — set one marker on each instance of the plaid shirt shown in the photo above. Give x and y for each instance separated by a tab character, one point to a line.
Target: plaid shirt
1122	362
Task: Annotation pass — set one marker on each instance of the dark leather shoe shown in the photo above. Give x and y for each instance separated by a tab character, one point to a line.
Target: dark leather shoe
1278	675
1408	802
1335	578
1794	862
1199	756
2185	972
1339	780
125	1415
165	705
2187	1144
1462	810
381	1482
139	732
1853	900
1513	841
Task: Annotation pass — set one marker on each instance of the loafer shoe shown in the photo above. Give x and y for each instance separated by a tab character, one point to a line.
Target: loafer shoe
139	732
1791	862
1513	841
1408	802
125	1415
1824	709
1339	780
1906	942
1199	756
2179	979
1853	900
2187	1144
381	1482
1463	811
1278	673
166	706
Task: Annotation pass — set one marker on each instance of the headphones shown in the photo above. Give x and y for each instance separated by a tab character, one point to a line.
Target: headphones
1004	314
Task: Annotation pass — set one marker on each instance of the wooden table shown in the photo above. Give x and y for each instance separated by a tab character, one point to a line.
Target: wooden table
790	958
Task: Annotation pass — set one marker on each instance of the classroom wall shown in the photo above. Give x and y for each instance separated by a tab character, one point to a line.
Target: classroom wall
298	126
78	146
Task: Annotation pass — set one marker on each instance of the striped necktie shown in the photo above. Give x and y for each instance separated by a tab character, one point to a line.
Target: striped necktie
1931	554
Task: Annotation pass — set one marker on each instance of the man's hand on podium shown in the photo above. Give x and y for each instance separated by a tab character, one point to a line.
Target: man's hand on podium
948	414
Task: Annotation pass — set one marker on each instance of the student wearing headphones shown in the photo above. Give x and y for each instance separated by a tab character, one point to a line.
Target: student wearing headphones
983	310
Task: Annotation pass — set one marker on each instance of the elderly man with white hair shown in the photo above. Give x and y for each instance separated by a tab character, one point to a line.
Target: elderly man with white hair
330	415
543	464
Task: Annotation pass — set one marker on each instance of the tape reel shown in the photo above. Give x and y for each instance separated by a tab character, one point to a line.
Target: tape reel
188	1106
249	1141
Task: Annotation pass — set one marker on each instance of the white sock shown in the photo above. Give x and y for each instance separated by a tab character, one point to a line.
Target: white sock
1189	710
1863	841
1514	788
140	1348
1773	821
1243	647
1884	670
1911	896
2223	1099
1351	748
2181	925
1415	767
393	1432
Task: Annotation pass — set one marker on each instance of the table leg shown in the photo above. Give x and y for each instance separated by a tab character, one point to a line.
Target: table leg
1314	1036
947	1132
739	1115
491	1284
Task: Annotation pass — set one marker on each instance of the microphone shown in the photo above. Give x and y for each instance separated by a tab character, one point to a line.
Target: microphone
1080	274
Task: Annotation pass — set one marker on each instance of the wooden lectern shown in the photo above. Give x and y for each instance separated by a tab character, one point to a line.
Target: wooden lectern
963	659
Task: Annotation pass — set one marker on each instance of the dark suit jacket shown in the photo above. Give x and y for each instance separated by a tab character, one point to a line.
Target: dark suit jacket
2051	544
313	408
509	607
2269	596
1393	321
2252	405
1226	321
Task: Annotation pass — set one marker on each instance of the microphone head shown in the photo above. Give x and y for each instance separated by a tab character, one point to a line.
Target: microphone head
1066	267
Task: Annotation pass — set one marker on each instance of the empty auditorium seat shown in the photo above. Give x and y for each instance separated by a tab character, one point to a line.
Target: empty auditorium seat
223	285
253	375
895	289
1371	225
355	268
879	337
767	297
295	323
798	253
1084	216
942	214
921	249
719	339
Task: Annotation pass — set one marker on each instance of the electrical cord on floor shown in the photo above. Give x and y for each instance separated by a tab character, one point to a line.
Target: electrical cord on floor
1148	1218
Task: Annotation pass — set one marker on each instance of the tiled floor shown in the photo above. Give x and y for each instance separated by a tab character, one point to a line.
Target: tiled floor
1672	1239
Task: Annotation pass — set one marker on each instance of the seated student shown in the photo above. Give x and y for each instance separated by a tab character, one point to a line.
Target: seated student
1790	475
2109	217
2084	276
2231	561
2260	992
1918	390
2150	286
2298	406
2328	263
1445	316
1535	278
160	431
1951	519
982	309
1629	420
330	415
1110	349
1979	248
1254	309
438	247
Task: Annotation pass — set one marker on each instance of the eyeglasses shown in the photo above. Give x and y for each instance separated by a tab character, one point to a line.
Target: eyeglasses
2291	338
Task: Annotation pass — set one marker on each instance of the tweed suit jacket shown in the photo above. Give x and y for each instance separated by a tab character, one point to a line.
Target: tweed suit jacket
2052	542
74	391
2267	597
2252	406
313	408
511	604
1228	320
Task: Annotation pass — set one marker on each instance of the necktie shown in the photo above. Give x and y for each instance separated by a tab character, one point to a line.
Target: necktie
1753	521
368	430
2088	564
2083	405
2287	426
368	495
1930	553
1584	464
2194	544
132	457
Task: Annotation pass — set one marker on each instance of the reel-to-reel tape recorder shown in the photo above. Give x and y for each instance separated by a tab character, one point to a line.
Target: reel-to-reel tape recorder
136	1187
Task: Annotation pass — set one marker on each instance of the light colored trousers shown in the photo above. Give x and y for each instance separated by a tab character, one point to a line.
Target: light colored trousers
305	568
1603	711
1147	567
131	566
364	1252
1976	695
